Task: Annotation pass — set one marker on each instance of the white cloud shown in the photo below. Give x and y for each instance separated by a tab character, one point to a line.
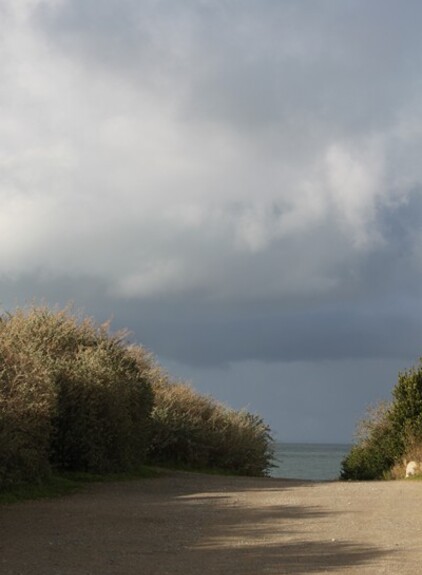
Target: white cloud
106	170
355	184
163	277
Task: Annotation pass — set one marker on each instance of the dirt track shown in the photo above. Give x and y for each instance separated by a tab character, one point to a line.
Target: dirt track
195	524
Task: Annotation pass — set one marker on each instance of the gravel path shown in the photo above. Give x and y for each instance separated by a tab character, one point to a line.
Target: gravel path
197	524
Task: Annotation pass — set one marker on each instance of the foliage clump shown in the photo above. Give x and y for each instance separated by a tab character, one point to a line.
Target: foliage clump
189	429
390	434
27	406
74	397
71	397
195	431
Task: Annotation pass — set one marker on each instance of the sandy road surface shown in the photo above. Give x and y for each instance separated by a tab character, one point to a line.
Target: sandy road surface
195	524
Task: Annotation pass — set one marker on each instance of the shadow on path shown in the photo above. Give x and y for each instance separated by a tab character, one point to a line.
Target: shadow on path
184	524
245	536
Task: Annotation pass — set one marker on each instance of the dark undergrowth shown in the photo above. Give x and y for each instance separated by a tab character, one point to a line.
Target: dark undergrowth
63	484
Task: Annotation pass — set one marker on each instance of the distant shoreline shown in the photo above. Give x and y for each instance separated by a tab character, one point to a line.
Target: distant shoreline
309	461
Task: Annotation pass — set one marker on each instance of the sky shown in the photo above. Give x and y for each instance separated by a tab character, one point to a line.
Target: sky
237	182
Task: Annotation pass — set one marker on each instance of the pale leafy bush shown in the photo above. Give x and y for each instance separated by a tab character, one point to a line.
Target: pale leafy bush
75	397
27	407
193	430
98	409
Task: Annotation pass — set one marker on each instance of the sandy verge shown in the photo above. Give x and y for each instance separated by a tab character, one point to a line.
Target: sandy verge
197	524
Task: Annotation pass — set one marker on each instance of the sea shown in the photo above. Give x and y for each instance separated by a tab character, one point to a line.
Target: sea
310	461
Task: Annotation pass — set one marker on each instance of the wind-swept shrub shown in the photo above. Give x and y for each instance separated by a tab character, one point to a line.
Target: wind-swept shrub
75	397
194	430
242	443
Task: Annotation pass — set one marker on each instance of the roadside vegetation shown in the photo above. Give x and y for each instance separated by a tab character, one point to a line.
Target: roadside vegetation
192	430
76	398
390	435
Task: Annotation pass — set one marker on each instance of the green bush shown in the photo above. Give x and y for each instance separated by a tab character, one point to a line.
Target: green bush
368	461
389	432
406	412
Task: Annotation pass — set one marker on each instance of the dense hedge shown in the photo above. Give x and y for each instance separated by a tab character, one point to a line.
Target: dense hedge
74	397
196	431
27	404
389	435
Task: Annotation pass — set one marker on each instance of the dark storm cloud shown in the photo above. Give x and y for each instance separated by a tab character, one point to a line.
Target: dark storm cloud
305	336
192	332
399	223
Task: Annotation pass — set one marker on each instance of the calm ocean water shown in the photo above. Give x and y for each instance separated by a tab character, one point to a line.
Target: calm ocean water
317	461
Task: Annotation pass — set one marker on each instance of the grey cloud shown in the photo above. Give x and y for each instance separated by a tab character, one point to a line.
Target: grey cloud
373	309
313	336
394	269
257	62
344	360
399	222
288	78
231	180
129	37
85	292
191	332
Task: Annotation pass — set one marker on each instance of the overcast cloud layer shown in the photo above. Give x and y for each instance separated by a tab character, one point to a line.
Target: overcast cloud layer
233	180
